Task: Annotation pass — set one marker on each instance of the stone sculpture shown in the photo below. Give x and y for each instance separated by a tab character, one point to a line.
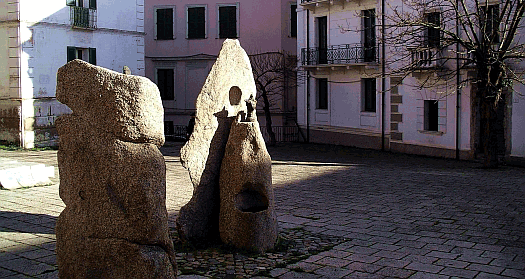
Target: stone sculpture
126	70
112	177
219	102
247	211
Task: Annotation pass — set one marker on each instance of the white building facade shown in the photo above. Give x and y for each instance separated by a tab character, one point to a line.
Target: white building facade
346	101
40	37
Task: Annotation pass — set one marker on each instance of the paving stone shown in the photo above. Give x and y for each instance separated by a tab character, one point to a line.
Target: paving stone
443	255
276	272
335	262
485	268
5	272
364	275
332	272
424	275
364	267
305	186
298	275
463	273
395	272
424	267
27	267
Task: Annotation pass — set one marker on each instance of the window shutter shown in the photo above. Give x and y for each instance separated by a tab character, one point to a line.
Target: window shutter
196	23
228	22
70	2
93	4
71	53
93	56
170	85
168	24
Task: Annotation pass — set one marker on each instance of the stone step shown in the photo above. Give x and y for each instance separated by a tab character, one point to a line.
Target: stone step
15	174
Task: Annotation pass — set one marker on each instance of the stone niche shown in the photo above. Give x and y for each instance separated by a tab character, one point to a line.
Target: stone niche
112	177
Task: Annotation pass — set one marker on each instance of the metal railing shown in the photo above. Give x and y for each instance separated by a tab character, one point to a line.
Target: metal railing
340	54
425	57
83	17
282	133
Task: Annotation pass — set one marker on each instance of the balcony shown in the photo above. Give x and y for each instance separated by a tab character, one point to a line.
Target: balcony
81	17
340	55
426	58
312	4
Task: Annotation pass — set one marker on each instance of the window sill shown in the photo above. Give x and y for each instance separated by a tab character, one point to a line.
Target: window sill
434	133
165	39
368	113
191	39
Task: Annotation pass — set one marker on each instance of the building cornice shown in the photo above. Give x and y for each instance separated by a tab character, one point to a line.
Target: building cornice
200	56
69	26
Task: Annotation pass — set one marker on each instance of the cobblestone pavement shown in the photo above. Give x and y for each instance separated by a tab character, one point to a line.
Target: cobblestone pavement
402	216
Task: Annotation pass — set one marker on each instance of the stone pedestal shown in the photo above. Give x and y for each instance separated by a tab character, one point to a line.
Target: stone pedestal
247	212
112	177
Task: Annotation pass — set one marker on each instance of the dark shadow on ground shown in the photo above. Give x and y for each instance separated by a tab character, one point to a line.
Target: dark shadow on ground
381	198
27	222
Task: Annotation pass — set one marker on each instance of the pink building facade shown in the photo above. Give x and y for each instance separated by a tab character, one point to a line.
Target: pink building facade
184	37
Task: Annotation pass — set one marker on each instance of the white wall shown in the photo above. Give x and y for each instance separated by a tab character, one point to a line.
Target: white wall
44	34
518	121
412	109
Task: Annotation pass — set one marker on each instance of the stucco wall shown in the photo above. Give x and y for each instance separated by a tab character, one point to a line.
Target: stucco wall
518	122
42	40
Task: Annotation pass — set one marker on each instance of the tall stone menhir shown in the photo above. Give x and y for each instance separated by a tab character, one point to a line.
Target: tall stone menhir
112	177
221	99
237	196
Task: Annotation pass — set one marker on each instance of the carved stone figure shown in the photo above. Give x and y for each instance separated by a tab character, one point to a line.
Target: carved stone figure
112	177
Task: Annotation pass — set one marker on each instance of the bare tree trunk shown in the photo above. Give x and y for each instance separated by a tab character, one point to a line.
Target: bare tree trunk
490	141
268	117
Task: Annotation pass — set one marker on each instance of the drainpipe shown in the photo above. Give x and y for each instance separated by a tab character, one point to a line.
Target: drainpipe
383	79
458	86
307	76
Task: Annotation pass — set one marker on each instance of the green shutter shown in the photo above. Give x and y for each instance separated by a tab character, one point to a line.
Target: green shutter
93	4
93	56
70	2
71	53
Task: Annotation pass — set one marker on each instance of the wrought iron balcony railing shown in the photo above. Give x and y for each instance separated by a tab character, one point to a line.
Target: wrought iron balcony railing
426	58
340	55
83	17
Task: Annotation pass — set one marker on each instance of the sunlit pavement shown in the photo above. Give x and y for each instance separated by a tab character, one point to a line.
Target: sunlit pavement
404	216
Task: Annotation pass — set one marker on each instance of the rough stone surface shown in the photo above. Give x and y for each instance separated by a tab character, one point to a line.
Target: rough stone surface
115	224
131	105
229	83
247	211
126	70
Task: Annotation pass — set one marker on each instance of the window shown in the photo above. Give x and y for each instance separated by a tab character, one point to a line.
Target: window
431	115
169	128
83	13
433	35
164	23
196	19
322	93
228	21
86	54
369	40
165	83
369	95
293	20
490	23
